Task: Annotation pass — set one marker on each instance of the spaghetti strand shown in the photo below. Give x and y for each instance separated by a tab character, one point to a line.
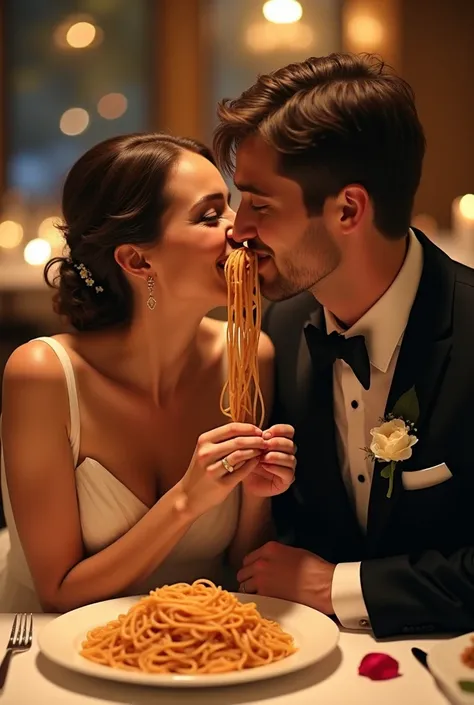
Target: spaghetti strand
244	318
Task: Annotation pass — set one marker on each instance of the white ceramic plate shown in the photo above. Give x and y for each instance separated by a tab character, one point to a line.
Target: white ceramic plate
315	636
445	664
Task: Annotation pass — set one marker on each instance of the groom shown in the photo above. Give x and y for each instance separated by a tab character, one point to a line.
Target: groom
370	320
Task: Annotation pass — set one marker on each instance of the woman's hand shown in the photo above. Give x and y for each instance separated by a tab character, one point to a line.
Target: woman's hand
274	471
208	480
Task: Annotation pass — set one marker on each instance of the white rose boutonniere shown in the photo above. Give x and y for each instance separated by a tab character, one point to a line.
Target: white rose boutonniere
393	440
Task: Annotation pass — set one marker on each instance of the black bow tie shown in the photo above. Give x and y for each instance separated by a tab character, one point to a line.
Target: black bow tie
326	349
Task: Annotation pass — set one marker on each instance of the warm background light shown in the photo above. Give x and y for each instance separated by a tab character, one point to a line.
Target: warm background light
74	121
11	234
48	231
37	251
262	37
77	32
365	32
462	215
80	35
466	206
112	106
426	223
282	11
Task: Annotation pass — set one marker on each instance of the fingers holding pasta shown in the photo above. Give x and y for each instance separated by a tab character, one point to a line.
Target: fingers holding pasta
222	459
275	471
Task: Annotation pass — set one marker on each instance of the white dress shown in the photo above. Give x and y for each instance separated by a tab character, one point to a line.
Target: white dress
108	510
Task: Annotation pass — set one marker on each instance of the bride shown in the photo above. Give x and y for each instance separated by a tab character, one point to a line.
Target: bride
112	436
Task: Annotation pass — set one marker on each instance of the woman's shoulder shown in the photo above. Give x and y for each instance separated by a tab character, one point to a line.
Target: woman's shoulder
34	379
34	361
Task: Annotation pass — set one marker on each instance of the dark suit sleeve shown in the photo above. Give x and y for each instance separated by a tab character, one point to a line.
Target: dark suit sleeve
427	593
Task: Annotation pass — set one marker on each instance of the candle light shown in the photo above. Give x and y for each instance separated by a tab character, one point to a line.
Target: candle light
282	11
37	252
463	215
11	234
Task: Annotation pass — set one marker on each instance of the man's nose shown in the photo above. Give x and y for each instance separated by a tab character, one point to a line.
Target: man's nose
243	228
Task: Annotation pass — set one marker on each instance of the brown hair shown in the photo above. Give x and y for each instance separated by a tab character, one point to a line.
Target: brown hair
333	121
113	195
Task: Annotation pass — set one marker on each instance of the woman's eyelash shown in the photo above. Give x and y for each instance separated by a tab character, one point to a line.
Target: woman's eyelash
210	217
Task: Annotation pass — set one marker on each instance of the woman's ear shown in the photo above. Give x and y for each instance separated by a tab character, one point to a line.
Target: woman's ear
132	260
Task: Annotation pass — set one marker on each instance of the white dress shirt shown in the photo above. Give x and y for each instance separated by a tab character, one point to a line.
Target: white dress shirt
357	410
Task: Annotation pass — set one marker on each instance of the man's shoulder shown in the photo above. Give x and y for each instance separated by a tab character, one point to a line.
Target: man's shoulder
444	264
464	276
463	301
458	309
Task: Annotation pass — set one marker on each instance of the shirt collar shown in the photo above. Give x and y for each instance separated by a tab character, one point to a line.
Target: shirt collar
383	325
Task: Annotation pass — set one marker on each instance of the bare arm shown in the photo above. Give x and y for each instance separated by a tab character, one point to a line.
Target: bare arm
40	476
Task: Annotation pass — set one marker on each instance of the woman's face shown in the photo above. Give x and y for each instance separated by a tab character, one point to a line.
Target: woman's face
189	258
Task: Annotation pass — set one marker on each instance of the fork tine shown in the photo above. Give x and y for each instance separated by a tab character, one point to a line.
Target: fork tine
18	634
12	633
23	641
18	640
30	631
21	635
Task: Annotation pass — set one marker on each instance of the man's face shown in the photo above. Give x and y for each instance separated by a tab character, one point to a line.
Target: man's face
300	251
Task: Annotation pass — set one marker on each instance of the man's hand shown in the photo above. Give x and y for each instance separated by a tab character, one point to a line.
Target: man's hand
275	468
276	570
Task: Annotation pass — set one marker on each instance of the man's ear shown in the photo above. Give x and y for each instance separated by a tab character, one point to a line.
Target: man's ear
353	201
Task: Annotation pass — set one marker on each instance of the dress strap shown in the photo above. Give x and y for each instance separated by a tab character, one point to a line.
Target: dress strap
75	419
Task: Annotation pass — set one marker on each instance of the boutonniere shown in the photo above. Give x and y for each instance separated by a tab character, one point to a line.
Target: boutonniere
393	440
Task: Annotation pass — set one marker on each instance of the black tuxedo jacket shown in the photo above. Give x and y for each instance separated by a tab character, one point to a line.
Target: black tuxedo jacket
417	556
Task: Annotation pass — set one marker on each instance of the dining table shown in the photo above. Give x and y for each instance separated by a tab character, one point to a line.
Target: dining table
34	680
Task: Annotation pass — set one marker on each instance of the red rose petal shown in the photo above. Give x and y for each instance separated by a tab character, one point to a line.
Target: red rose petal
379	667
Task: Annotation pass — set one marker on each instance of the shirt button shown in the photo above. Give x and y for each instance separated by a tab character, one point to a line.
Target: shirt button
361	478
354	404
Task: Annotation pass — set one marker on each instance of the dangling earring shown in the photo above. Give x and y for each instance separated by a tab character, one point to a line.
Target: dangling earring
151	301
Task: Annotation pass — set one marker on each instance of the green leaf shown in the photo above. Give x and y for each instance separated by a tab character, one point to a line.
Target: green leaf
386	472
467	686
407	406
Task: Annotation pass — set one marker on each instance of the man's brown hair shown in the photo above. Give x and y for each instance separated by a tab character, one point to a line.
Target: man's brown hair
333	121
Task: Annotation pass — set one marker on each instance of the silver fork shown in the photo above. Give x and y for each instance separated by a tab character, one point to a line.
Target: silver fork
21	638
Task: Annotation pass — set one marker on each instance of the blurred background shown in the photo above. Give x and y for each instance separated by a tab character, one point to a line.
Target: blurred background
73	72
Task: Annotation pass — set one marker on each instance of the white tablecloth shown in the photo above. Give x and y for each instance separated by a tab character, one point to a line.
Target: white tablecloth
33	680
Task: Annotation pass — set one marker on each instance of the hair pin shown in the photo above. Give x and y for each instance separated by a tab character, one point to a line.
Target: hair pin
86	275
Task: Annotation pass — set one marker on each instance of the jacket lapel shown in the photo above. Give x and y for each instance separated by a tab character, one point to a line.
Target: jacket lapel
422	361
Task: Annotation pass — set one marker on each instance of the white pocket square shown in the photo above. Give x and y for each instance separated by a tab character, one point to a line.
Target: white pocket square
429	477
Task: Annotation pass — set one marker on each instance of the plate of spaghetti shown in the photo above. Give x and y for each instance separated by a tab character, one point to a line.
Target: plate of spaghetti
451	662
184	635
